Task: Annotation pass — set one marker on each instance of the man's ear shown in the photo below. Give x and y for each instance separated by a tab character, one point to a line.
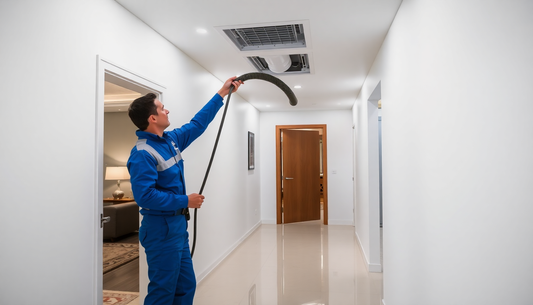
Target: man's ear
151	119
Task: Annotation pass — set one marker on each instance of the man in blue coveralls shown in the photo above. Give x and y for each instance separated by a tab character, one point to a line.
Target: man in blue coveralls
158	184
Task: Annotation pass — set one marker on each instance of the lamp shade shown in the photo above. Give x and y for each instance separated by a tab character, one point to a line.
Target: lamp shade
117	173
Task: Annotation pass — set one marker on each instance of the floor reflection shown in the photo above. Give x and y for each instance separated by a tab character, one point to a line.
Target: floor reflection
294	264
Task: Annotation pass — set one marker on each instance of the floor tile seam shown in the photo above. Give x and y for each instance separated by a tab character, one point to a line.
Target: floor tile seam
257	274
263	261
251	282
247	253
231	265
370	294
249	238
263	265
227	259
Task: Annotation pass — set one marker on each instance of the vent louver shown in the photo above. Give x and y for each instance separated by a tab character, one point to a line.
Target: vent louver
300	64
267	37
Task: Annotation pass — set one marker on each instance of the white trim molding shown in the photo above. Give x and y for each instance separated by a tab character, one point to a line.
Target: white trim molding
370	267
106	70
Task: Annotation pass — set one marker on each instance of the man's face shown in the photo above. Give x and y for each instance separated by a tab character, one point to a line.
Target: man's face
161	119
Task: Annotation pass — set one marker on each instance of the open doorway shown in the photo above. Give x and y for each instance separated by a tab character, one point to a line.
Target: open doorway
301	173
115	136
121	232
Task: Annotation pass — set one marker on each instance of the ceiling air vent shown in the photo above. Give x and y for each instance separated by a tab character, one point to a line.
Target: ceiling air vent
299	64
267	37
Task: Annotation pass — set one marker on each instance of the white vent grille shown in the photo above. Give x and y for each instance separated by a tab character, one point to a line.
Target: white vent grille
300	64
268	37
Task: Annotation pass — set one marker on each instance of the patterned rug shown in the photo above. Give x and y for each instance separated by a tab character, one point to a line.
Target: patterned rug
119	297
116	255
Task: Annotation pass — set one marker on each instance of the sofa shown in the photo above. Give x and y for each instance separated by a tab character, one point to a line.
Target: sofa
124	219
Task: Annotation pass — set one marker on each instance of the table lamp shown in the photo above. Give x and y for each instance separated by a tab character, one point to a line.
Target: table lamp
117	173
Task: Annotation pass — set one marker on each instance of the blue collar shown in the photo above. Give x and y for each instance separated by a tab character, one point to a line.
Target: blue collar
150	136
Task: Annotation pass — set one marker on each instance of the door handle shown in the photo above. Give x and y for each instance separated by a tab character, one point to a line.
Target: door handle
104	220
288	178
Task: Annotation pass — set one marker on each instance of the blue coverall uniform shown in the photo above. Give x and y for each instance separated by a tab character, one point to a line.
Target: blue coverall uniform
158	184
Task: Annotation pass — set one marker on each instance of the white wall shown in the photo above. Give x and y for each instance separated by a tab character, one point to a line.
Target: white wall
232	206
457	167
366	182
339	128
48	59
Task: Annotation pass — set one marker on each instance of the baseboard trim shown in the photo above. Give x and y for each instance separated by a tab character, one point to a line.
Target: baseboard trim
340	222
331	222
202	275
362	249
369	267
374	268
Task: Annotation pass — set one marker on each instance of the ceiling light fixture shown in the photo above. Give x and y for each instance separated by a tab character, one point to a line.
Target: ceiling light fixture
201	31
297	87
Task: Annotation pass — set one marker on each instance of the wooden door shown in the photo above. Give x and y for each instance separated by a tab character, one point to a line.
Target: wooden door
301	175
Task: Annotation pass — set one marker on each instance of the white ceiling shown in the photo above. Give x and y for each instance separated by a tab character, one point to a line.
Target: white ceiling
118	98
344	36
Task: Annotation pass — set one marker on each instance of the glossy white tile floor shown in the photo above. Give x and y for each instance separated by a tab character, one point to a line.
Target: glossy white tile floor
298	264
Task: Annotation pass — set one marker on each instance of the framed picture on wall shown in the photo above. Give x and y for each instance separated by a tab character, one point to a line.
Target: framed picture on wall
251	150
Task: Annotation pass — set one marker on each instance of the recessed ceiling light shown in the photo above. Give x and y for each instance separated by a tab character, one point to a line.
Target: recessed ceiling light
201	31
268	106
297	87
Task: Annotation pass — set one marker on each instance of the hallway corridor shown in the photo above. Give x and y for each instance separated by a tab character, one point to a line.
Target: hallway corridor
298	264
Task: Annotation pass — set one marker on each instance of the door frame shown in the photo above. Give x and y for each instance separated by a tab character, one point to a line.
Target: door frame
374	229
279	129
106	69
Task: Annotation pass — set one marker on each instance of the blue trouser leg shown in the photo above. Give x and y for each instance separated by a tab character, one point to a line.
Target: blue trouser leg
170	270
186	279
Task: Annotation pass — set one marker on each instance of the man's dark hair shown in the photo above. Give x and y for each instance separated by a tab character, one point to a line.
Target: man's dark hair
141	109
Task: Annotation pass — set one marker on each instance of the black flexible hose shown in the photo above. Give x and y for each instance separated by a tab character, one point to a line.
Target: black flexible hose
263	76
274	80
